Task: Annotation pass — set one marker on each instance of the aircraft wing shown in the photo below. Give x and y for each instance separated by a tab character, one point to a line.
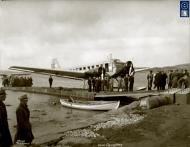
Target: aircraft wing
119	72
58	73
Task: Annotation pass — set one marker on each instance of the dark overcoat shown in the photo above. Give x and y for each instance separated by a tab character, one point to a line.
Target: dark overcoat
5	136
24	129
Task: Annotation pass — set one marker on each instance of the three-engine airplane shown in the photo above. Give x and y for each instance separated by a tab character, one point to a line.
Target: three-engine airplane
113	69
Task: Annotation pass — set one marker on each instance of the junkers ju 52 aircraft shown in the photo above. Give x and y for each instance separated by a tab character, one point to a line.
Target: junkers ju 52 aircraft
113	69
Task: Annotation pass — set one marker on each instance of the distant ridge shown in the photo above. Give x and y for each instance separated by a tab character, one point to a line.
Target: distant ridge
166	68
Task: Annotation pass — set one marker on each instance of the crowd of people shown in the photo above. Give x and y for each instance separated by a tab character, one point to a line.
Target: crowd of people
159	80
125	79
17	81
98	82
172	79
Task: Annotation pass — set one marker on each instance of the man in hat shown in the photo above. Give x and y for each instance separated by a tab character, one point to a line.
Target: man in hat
24	133
5	136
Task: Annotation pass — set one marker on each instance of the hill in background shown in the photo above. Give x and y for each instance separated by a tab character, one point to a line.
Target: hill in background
166	68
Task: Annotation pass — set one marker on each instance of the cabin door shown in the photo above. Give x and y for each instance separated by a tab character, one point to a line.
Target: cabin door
107	67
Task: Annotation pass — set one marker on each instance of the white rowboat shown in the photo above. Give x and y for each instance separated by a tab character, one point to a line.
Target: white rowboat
91	105
141	88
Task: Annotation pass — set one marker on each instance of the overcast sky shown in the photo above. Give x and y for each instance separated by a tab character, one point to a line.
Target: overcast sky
81	32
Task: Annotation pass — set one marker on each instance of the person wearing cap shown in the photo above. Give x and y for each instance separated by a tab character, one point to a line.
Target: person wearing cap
24	130
5	136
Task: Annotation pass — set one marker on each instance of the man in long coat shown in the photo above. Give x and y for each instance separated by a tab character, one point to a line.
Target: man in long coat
5	136
24	130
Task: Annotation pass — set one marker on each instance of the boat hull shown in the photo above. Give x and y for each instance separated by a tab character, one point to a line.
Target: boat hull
91	105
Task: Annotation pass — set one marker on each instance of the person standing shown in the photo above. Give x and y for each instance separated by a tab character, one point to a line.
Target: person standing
163	80
182	81
50	81
93	84
24	133
89	84
101	72
111	81
186	76
131	77
5	136
157	80
126	80
125	74
170	78
175	78
119	80
150	80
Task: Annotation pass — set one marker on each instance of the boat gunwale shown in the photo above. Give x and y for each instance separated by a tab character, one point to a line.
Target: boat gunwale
93	106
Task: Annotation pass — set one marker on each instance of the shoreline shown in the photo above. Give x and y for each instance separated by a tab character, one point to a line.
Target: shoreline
60	128
54	133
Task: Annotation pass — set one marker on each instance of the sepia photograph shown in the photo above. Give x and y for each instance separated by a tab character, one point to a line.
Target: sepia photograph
94	73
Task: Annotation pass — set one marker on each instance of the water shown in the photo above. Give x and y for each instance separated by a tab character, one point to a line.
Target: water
42	81
47	114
